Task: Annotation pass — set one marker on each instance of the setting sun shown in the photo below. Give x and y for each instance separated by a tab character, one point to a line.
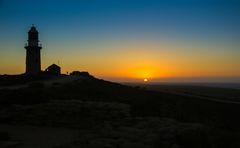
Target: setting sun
145	80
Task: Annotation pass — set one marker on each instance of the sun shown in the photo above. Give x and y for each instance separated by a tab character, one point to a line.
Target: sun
145	80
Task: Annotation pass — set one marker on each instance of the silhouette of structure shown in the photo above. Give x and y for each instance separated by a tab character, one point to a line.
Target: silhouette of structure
53	69
33	55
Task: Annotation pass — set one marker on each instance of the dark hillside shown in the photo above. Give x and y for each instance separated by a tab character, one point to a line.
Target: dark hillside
219	117
143	102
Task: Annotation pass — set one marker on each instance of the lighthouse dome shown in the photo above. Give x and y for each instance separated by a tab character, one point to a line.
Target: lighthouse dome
33	29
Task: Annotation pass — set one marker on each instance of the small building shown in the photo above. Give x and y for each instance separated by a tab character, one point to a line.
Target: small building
78	73
54	69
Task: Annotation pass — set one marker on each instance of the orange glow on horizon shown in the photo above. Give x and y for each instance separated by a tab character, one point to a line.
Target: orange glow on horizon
137	60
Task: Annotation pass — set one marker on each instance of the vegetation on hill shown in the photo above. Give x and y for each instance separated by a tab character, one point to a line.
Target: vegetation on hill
98	105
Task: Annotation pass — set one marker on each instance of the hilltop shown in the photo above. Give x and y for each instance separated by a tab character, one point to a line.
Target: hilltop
85	102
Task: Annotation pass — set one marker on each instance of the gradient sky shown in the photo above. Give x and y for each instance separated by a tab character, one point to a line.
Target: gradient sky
127	40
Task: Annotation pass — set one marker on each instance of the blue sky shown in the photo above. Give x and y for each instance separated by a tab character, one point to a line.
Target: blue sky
186	18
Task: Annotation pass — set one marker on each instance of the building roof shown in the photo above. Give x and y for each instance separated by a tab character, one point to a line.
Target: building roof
54	66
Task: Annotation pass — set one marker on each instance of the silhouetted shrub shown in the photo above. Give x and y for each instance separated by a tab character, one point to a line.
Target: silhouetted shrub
82	73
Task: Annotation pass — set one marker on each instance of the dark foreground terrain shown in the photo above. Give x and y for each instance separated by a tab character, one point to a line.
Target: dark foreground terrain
84	112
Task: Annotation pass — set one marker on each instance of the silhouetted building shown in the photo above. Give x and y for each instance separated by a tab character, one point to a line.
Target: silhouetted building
54	69
78	73
81	73
33	56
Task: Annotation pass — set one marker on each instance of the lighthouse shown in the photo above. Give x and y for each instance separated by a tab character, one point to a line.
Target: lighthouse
33	53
